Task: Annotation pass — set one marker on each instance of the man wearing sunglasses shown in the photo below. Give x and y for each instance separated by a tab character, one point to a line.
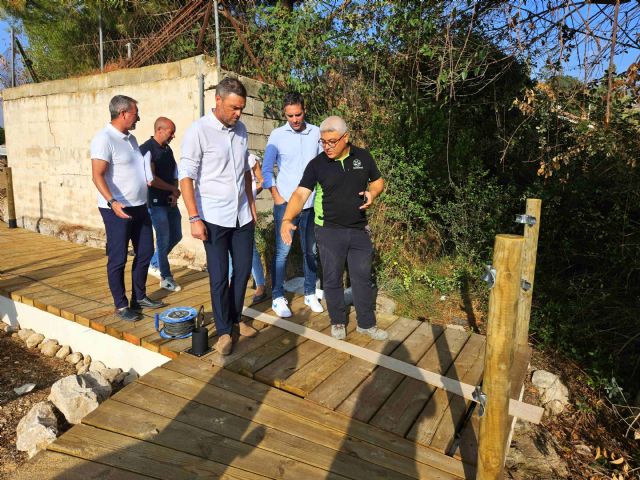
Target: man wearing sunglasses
340	177
120	175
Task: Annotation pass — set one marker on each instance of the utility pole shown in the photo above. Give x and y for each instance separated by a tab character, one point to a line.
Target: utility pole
215	16
100	35
13	57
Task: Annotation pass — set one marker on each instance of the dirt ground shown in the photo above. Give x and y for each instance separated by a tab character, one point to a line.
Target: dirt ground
19	365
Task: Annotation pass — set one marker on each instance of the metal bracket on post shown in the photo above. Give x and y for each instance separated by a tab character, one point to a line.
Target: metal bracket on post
524	285
480	397
526	219
489	276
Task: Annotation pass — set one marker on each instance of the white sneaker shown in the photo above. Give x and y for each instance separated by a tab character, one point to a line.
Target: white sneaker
339	332
319	294
312	302
279	306
155	272
374	332
170	284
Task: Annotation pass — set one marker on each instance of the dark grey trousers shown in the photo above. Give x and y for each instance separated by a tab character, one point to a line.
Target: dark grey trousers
350	246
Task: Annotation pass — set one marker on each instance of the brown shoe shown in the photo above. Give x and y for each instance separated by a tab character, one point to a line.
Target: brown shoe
246	330
224	345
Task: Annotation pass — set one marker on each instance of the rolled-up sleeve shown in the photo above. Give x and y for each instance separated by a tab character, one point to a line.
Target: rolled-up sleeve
190	155
270	158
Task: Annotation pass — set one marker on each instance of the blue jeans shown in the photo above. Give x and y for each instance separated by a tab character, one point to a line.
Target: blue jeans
167	224
257	272
305	225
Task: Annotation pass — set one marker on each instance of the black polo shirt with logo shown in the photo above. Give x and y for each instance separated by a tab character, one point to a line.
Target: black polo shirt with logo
338	184
165	164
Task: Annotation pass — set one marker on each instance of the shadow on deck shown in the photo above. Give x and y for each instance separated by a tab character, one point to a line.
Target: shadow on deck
280	406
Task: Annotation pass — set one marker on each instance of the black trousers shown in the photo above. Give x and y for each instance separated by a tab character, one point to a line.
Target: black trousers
352	246
120	231
227	297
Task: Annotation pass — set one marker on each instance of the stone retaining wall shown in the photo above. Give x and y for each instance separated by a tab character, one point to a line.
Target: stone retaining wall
49	127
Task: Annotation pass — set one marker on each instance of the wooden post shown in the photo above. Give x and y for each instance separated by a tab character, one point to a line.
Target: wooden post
529	253
11	207
503	309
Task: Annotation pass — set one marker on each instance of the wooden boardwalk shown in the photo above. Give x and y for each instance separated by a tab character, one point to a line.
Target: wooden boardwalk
277	404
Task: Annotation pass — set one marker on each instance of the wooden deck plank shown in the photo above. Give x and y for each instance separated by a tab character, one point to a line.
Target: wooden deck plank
466	448
370	395
207	410
433	413
333	390
253	361
447	431
402	407
144	457
192	390
246	345
48	465
305	380
310	412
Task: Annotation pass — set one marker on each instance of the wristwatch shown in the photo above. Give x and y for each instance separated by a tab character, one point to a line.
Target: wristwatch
109	202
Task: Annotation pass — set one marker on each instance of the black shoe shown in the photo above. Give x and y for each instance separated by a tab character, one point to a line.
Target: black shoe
127	314
146	302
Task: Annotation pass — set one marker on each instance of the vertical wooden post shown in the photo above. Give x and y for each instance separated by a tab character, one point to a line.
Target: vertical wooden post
503	308
529	253
11	207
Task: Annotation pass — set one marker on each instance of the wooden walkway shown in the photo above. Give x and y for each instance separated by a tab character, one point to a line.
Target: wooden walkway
334	413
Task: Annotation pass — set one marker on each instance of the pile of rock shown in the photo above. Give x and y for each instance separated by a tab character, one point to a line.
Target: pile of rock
73	397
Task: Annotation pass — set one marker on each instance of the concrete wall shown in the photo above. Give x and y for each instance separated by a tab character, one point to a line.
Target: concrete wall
49	127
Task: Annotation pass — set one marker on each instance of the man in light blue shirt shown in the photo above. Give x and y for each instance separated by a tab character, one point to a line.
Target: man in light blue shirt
216	185
291	147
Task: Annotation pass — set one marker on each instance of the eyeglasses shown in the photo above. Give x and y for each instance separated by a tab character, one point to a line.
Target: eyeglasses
331	143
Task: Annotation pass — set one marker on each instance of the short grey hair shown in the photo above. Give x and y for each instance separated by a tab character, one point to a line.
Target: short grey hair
230	85
334	124
119	104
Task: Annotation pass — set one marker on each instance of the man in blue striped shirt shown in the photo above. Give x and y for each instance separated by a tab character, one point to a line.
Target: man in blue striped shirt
291	147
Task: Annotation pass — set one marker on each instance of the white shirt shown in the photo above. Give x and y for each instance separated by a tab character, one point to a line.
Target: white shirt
216	157
127	174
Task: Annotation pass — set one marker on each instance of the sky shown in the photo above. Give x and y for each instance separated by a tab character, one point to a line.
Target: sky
572	68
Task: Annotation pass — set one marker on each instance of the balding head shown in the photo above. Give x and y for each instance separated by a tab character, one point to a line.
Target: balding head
164	130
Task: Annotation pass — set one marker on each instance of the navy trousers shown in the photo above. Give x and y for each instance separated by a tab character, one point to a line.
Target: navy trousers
227	297
120	231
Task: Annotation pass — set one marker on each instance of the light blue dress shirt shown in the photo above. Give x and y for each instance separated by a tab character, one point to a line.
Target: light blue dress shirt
216	157
291	151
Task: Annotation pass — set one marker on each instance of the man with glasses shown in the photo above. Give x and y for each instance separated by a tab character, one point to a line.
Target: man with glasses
340	176
120	175
291	147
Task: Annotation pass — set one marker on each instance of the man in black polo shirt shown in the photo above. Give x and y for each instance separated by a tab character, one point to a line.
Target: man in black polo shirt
163	195
340	175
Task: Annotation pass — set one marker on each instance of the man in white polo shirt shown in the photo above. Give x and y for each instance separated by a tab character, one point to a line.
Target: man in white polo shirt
221	207
119	174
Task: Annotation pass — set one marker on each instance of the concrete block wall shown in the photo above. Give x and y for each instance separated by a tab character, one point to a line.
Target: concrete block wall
49	127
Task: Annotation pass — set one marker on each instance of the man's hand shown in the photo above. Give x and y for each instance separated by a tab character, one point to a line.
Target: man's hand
118	209
368	200
175	193
277	198
198	230
173	201
285	231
